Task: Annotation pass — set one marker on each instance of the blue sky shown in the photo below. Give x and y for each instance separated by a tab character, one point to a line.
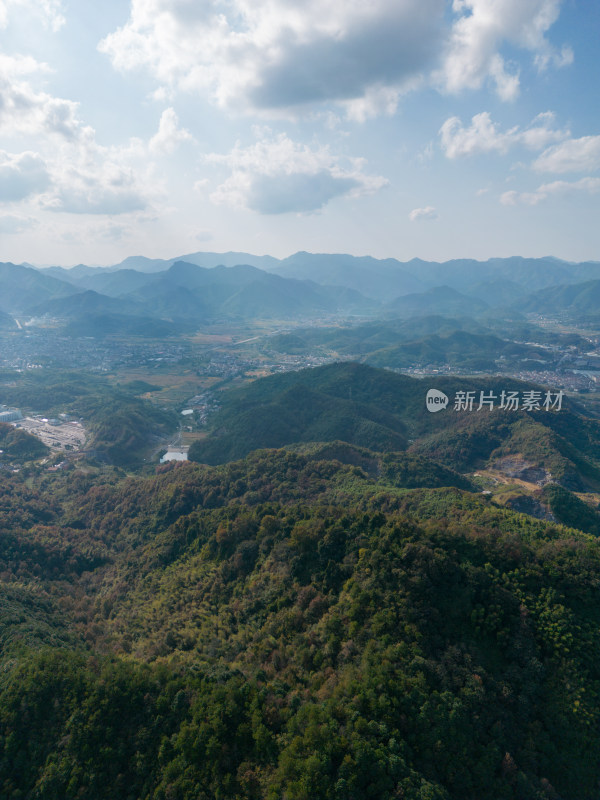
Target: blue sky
408	128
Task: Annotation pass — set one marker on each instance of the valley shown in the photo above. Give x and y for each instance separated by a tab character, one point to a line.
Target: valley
327	580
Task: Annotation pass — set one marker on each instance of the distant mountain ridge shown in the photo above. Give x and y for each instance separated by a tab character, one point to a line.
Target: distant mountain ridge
579	298
23	287
204	287
442	300
379	279
184	291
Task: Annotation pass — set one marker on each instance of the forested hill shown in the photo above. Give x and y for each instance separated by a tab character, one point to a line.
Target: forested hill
329	624
385	411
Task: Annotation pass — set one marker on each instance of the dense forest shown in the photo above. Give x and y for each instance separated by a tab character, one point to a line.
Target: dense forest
385	411
322	621
18	445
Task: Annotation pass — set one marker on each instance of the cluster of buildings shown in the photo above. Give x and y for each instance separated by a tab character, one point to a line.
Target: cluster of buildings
37	348
9	414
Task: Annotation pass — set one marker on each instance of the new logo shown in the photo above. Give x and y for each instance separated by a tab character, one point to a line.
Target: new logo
436	400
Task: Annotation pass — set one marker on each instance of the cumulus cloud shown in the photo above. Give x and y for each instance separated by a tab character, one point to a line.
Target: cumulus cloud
574	155
21	175
72	172
276	176
427	213
23	110
274	54
481	31
169	134
547	190
484	136
81	178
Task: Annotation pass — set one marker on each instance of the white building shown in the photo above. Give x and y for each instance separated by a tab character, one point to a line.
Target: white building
10	415
175	454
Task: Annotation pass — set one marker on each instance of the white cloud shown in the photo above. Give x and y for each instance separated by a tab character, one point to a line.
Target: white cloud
79	177
277	55
21	175
23	110
97	188
48	11
427	213
274	56
11	224
99	229
562	58
426	154
574	155
169	134
376	101
483	135
507	84
72	172
483	28
547	190
277	175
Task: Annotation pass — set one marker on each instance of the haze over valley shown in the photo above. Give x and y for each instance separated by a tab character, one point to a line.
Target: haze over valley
299	400
153	357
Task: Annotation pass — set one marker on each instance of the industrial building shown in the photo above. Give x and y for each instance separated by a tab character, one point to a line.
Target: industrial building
9	414
175	454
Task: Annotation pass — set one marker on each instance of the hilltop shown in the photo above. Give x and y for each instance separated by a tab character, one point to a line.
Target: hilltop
386	411
291	625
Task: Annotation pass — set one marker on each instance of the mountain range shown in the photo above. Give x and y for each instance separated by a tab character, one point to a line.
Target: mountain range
184	291
380	279
206	287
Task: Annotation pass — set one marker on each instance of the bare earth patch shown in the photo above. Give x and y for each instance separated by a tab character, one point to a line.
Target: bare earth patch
58	436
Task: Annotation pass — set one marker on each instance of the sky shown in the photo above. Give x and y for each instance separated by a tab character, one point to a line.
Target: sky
435	129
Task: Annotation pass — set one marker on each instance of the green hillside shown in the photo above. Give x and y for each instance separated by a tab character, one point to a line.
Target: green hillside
461	349
399	470
298	414
570	510
439	300
293	626
17	445
332	605
488	440
362	339
575	299
385	411
83	303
